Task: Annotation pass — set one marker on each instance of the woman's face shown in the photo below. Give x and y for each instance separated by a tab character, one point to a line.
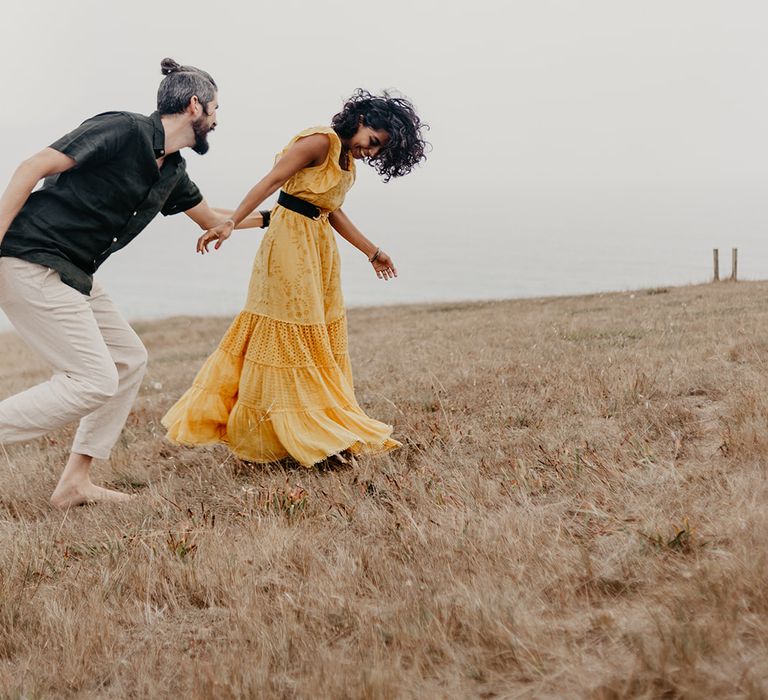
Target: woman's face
367	142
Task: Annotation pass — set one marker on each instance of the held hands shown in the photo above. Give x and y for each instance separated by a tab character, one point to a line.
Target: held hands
383	265
218	233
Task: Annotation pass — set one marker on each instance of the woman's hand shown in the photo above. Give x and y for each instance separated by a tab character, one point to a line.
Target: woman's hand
384	267
218	233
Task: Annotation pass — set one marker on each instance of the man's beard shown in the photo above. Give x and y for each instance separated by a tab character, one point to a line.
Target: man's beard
201	129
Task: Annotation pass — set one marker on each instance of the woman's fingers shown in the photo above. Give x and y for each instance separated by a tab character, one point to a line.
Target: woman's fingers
386	273
204	241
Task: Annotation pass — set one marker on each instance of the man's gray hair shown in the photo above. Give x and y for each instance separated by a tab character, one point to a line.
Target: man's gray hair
180	84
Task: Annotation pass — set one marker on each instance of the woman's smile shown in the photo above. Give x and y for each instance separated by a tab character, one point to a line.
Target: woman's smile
367	142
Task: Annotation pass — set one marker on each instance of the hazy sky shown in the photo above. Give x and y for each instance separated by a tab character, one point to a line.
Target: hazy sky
557	125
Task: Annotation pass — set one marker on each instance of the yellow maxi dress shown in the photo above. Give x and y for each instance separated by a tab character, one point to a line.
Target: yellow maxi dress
280	381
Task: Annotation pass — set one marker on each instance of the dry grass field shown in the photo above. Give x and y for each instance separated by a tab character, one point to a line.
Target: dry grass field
580	510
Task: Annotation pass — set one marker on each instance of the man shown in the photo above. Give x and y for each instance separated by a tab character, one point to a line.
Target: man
105	181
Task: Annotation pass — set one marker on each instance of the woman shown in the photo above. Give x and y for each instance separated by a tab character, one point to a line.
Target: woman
280	382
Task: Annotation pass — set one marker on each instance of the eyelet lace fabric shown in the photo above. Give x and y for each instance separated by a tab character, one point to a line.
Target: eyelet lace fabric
280	382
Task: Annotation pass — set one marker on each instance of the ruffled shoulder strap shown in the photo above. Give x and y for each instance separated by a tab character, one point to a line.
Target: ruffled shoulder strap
320	178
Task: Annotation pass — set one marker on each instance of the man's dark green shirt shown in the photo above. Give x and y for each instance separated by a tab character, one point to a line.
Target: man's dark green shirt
82	216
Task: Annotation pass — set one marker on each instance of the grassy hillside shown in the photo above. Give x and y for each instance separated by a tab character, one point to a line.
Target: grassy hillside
579	510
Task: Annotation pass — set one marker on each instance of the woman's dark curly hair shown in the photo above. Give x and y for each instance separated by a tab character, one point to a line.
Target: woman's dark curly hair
397	117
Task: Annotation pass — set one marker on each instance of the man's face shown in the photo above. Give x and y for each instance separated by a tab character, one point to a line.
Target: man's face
205	123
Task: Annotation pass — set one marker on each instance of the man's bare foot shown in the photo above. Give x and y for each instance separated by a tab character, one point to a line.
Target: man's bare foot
68	495
75	487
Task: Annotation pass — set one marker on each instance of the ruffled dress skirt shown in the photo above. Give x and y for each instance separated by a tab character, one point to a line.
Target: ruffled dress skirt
274	389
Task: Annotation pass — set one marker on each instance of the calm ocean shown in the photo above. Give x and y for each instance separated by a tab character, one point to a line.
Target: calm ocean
159	275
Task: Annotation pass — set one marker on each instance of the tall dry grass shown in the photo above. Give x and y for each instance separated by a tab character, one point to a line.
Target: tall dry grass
579	510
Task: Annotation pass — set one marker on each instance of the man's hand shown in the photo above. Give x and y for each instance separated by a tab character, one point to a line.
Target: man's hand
218	233
384	267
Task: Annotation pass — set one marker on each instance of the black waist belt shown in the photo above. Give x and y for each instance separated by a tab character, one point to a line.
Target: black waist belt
298	205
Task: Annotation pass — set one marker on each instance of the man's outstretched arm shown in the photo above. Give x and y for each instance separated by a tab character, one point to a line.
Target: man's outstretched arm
47	162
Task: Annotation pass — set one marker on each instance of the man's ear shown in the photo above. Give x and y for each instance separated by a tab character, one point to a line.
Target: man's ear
194	103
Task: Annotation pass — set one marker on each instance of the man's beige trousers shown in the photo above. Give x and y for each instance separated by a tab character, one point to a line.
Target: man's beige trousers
98	359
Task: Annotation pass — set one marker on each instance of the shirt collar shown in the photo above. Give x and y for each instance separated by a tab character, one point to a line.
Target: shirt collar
158	135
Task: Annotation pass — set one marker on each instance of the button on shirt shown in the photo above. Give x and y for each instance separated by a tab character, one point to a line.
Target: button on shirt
83	215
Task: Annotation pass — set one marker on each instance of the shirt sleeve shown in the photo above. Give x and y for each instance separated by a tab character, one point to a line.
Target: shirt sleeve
97	139
184	196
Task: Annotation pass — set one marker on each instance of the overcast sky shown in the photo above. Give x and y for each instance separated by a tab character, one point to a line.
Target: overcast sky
629	123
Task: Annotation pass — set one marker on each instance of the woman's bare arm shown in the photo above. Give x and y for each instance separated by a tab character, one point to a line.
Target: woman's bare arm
382	263
307	152
253	220
207	217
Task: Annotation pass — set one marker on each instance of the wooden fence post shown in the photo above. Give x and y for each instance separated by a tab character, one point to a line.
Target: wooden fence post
716	259
734	263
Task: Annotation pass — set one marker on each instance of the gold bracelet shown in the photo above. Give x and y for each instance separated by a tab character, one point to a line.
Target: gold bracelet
375	255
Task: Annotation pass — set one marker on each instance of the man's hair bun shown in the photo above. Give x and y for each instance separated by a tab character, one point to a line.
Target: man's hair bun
168	66
180	85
